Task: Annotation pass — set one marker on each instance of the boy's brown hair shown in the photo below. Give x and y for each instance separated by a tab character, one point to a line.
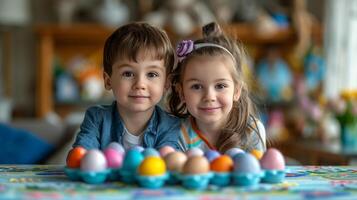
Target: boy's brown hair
128	40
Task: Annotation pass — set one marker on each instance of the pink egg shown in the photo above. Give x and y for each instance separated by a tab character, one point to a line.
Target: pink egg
93	161
166	150
114	158
272	160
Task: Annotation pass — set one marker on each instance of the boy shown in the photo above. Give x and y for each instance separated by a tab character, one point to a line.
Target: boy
137	60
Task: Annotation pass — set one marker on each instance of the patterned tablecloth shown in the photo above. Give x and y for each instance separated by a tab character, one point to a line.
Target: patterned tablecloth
302	182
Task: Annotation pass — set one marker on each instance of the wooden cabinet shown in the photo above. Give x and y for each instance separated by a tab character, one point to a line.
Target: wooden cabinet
65	42
68	41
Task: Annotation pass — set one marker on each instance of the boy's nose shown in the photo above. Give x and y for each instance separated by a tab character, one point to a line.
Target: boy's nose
139	84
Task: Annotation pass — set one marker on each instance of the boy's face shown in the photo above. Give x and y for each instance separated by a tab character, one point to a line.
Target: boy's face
137	86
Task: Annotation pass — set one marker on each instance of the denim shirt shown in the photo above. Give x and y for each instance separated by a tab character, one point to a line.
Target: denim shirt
103	125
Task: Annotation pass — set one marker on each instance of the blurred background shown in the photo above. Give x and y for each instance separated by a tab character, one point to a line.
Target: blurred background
301	66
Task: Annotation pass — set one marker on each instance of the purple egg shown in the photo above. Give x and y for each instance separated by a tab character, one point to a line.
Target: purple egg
118	147
246	163
93	161
233	151
194	152
150	152
211	155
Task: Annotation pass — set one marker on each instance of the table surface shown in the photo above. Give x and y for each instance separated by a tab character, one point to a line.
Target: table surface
301	182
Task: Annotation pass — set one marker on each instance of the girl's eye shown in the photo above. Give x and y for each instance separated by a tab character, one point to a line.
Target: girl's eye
196	86
128	74
221	86
152	74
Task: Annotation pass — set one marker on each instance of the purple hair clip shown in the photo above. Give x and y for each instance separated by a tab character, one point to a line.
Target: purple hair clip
184	48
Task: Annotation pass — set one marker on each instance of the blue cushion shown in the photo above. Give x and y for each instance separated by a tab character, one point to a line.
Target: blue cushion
19	146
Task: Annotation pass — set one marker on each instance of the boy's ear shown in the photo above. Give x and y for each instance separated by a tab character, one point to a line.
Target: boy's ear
107	81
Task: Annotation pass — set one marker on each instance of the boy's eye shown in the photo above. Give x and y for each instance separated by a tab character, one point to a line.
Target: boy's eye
128	74
196	86
152	74
220	86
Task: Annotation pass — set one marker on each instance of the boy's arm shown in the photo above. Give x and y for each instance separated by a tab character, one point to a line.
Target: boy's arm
170	137
88	135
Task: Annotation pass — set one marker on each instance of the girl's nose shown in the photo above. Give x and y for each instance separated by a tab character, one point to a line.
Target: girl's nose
210	95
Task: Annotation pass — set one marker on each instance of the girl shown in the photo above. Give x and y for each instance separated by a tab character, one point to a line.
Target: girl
209	92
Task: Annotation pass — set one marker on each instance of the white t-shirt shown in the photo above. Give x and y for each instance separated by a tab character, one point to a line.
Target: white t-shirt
130	140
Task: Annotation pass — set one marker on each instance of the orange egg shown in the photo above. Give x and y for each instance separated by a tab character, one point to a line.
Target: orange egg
74	157
223	163
257	154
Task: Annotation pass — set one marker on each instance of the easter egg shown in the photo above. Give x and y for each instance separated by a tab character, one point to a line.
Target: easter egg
114	158
196	165
166	150
118	147
211	154
194	152
152	166
139	148
150	152
222	163
233	151
74	157
257	153
132	159
273	160
246	163
93	161
175	161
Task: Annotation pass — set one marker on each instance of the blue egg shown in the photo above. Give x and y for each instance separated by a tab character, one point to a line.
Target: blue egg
233	151
150	152
211	155
246	163
132	159
139	148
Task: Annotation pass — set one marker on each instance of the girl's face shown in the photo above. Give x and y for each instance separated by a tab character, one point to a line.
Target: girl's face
208	89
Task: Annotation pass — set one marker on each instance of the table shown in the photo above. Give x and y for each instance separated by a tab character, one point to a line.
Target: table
302	182
315	152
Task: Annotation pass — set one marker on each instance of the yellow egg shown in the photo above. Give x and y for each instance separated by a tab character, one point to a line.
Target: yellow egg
257	154
152	166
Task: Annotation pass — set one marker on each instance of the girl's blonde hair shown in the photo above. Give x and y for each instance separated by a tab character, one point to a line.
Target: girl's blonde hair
242	120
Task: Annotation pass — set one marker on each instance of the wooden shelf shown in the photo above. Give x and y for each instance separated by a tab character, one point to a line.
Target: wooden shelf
66	41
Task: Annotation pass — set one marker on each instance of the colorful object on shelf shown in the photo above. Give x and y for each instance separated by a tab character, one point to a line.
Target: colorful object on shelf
275	77
211	154
273	164
247	171
67	88
166	150
194	152
74	157
314	69
257	153
233	151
